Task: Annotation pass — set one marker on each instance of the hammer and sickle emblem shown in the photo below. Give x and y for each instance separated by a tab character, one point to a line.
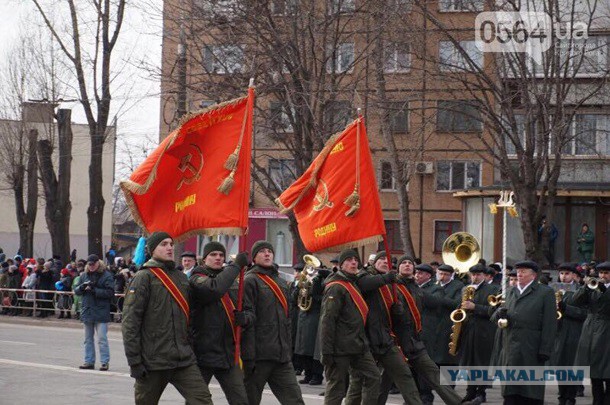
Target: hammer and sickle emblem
322	198
191	165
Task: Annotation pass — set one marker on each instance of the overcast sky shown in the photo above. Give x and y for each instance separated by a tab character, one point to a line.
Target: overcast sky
140	40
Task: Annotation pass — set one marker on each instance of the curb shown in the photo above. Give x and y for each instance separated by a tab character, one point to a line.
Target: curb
59	323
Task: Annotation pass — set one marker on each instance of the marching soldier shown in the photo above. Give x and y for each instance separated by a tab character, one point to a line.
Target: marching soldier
345	347
155	329
214	293
530	312
380	331
569	329
267	342
409	334
477	331
593	347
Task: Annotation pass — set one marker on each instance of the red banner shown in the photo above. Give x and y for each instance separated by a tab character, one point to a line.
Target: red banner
197	181
335	201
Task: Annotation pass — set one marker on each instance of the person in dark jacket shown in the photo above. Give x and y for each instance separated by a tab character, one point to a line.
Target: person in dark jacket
380	331
267	341
213	296
530	311
568	332
45	283
96	286
155	329
410	338
345	346
593	348
65	300
14	281
477	336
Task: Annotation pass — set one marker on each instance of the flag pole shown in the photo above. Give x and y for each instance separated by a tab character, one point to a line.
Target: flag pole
240	305
389	257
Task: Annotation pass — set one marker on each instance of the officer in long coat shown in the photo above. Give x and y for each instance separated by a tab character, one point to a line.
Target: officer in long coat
530	335
476	341
569	328
593	347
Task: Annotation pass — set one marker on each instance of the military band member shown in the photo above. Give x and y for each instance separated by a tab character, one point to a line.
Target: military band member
155	329
409	334
345	346
380	331
569	329
267	341
593	348
497	353
531	314
214	295
476	341
188	261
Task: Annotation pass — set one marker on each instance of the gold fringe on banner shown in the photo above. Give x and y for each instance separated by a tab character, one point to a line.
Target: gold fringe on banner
354	244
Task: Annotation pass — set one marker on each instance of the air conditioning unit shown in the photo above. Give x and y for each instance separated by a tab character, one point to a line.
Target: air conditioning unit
424	167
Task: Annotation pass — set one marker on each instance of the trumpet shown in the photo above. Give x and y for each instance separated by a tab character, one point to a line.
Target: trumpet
593	283
495	300
305	281
558	298
457	317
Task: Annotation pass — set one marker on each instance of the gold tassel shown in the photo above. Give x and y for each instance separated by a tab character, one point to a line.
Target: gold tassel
353	210
512	211
232	160
227	184
353	198
493	208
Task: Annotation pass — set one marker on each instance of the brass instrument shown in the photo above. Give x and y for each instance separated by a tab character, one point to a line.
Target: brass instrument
305	281
593	283
462	251
458	316
558	298
495	300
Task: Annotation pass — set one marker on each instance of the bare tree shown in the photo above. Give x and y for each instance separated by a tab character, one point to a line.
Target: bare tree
91	61
520	116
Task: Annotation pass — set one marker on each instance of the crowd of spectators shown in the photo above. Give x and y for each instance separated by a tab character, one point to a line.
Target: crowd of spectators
38	279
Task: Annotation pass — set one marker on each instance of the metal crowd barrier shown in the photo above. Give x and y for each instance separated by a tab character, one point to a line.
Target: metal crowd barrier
29	302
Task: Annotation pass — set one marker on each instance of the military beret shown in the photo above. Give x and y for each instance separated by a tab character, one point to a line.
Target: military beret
446	267
512	273
425	267
568	267
605	266
527	264
478	268
496	267
298	266
189	254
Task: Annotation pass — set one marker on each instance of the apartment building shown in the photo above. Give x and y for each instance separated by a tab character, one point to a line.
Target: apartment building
440	138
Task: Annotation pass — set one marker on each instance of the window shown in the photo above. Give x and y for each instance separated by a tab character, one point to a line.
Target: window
341	6
589	57
340	58
458	116
284	7
392	229
461	5
336	115
399	6
399	117
280	120
520	120
397	58
452	58
217	8
457	175
223	59
282	173
442	230
386	177
589	135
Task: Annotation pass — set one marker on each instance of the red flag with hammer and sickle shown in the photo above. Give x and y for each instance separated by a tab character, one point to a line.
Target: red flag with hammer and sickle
197	181
335	201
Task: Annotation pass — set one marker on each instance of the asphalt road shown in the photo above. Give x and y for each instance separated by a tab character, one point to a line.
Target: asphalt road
39	362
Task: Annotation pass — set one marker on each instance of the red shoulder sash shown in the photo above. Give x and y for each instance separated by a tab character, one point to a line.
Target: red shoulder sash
356	297
173	290
277	291
412	305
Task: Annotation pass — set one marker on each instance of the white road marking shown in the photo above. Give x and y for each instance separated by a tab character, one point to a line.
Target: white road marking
13	342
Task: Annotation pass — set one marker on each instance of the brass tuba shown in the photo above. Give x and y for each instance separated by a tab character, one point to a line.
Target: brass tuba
305	281
458	316
462	251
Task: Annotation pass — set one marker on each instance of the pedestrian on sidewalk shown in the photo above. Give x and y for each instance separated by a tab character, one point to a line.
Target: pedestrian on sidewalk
96	286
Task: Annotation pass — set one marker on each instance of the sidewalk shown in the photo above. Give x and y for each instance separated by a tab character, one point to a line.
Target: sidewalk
51	321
